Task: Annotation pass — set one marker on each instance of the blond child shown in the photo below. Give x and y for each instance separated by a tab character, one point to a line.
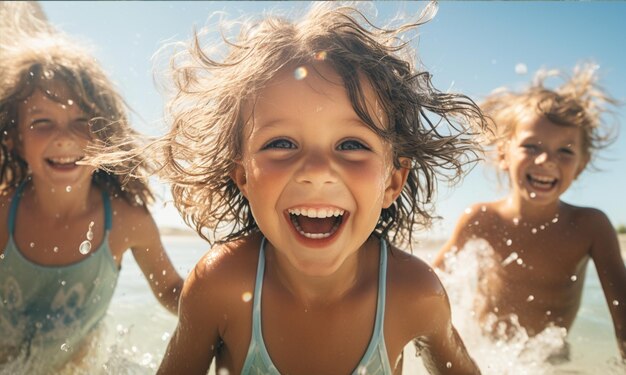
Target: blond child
64	226
310	146
541	245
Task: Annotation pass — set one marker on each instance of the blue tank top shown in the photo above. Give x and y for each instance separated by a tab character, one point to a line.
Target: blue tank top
46	311
375	361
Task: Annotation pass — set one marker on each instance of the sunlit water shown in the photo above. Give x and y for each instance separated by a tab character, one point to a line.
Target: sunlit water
137	329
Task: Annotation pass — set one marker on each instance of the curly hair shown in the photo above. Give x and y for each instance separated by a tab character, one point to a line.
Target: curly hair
205	139
40	60
579	102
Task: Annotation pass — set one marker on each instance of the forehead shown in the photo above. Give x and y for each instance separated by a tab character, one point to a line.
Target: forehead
541	127
50	96
315	90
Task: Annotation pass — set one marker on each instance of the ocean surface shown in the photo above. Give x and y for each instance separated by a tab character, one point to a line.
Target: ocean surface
137	329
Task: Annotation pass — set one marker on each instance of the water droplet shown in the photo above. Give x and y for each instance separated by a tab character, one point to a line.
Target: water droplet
515	221
533	194
65	347
530	298
509	242
300	73
548	312
55	249
448	364
49	74
615	302
32	244
521	68
224	371
534	230
574	278
519	261
542	227
151	276
321	56
1	256
68	188
483	208
165	336
468	210
70	102
90	231
555	219
512	257
362	370
85	247
63	282
246	296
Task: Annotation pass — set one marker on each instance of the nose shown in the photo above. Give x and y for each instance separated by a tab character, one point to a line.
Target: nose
316	168
64	138
545	159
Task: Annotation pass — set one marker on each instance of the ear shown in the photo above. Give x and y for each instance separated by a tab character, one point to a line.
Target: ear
238	175
395	182
503	163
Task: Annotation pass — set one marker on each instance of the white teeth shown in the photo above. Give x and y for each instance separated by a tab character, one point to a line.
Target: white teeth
65	159
543	179
320	213
315	235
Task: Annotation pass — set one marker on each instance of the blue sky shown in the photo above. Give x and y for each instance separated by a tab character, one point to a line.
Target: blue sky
469	47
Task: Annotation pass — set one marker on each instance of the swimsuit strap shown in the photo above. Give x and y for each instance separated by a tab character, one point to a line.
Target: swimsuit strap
108	217
14	203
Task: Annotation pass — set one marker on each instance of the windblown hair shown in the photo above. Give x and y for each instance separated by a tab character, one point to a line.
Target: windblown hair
39	61
205	140
579	102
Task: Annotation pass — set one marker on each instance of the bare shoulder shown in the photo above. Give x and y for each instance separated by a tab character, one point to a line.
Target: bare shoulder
411	277
414	290
232	266
591	221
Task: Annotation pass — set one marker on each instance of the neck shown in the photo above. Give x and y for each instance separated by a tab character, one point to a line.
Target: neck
58	203
319	291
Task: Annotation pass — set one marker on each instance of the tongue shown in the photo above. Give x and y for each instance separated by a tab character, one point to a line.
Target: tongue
315	225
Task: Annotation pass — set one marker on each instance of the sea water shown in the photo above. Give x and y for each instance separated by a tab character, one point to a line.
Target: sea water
137	328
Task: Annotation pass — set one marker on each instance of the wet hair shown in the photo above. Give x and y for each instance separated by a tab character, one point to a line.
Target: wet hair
208	114
43	61
579	102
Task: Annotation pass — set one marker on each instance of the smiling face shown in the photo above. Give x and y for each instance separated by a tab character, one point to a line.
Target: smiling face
316	177
52	137
543	159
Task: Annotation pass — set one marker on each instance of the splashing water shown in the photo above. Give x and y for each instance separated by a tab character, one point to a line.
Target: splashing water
518	353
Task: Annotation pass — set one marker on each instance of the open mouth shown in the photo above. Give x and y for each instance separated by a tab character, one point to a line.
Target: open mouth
316	223
63	162
541	182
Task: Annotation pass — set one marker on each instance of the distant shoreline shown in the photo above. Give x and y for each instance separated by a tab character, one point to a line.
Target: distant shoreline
421	242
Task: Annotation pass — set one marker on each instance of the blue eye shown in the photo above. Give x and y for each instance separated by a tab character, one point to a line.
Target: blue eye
279	144
351	145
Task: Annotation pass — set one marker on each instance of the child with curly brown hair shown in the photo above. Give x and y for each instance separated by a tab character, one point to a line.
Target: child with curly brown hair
308	150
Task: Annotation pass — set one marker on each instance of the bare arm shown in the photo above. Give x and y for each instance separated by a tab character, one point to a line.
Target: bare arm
605	253
456	241
443	350
148	251
193	344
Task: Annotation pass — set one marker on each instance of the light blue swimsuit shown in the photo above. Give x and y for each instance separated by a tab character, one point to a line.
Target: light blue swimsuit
374	362
46	311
